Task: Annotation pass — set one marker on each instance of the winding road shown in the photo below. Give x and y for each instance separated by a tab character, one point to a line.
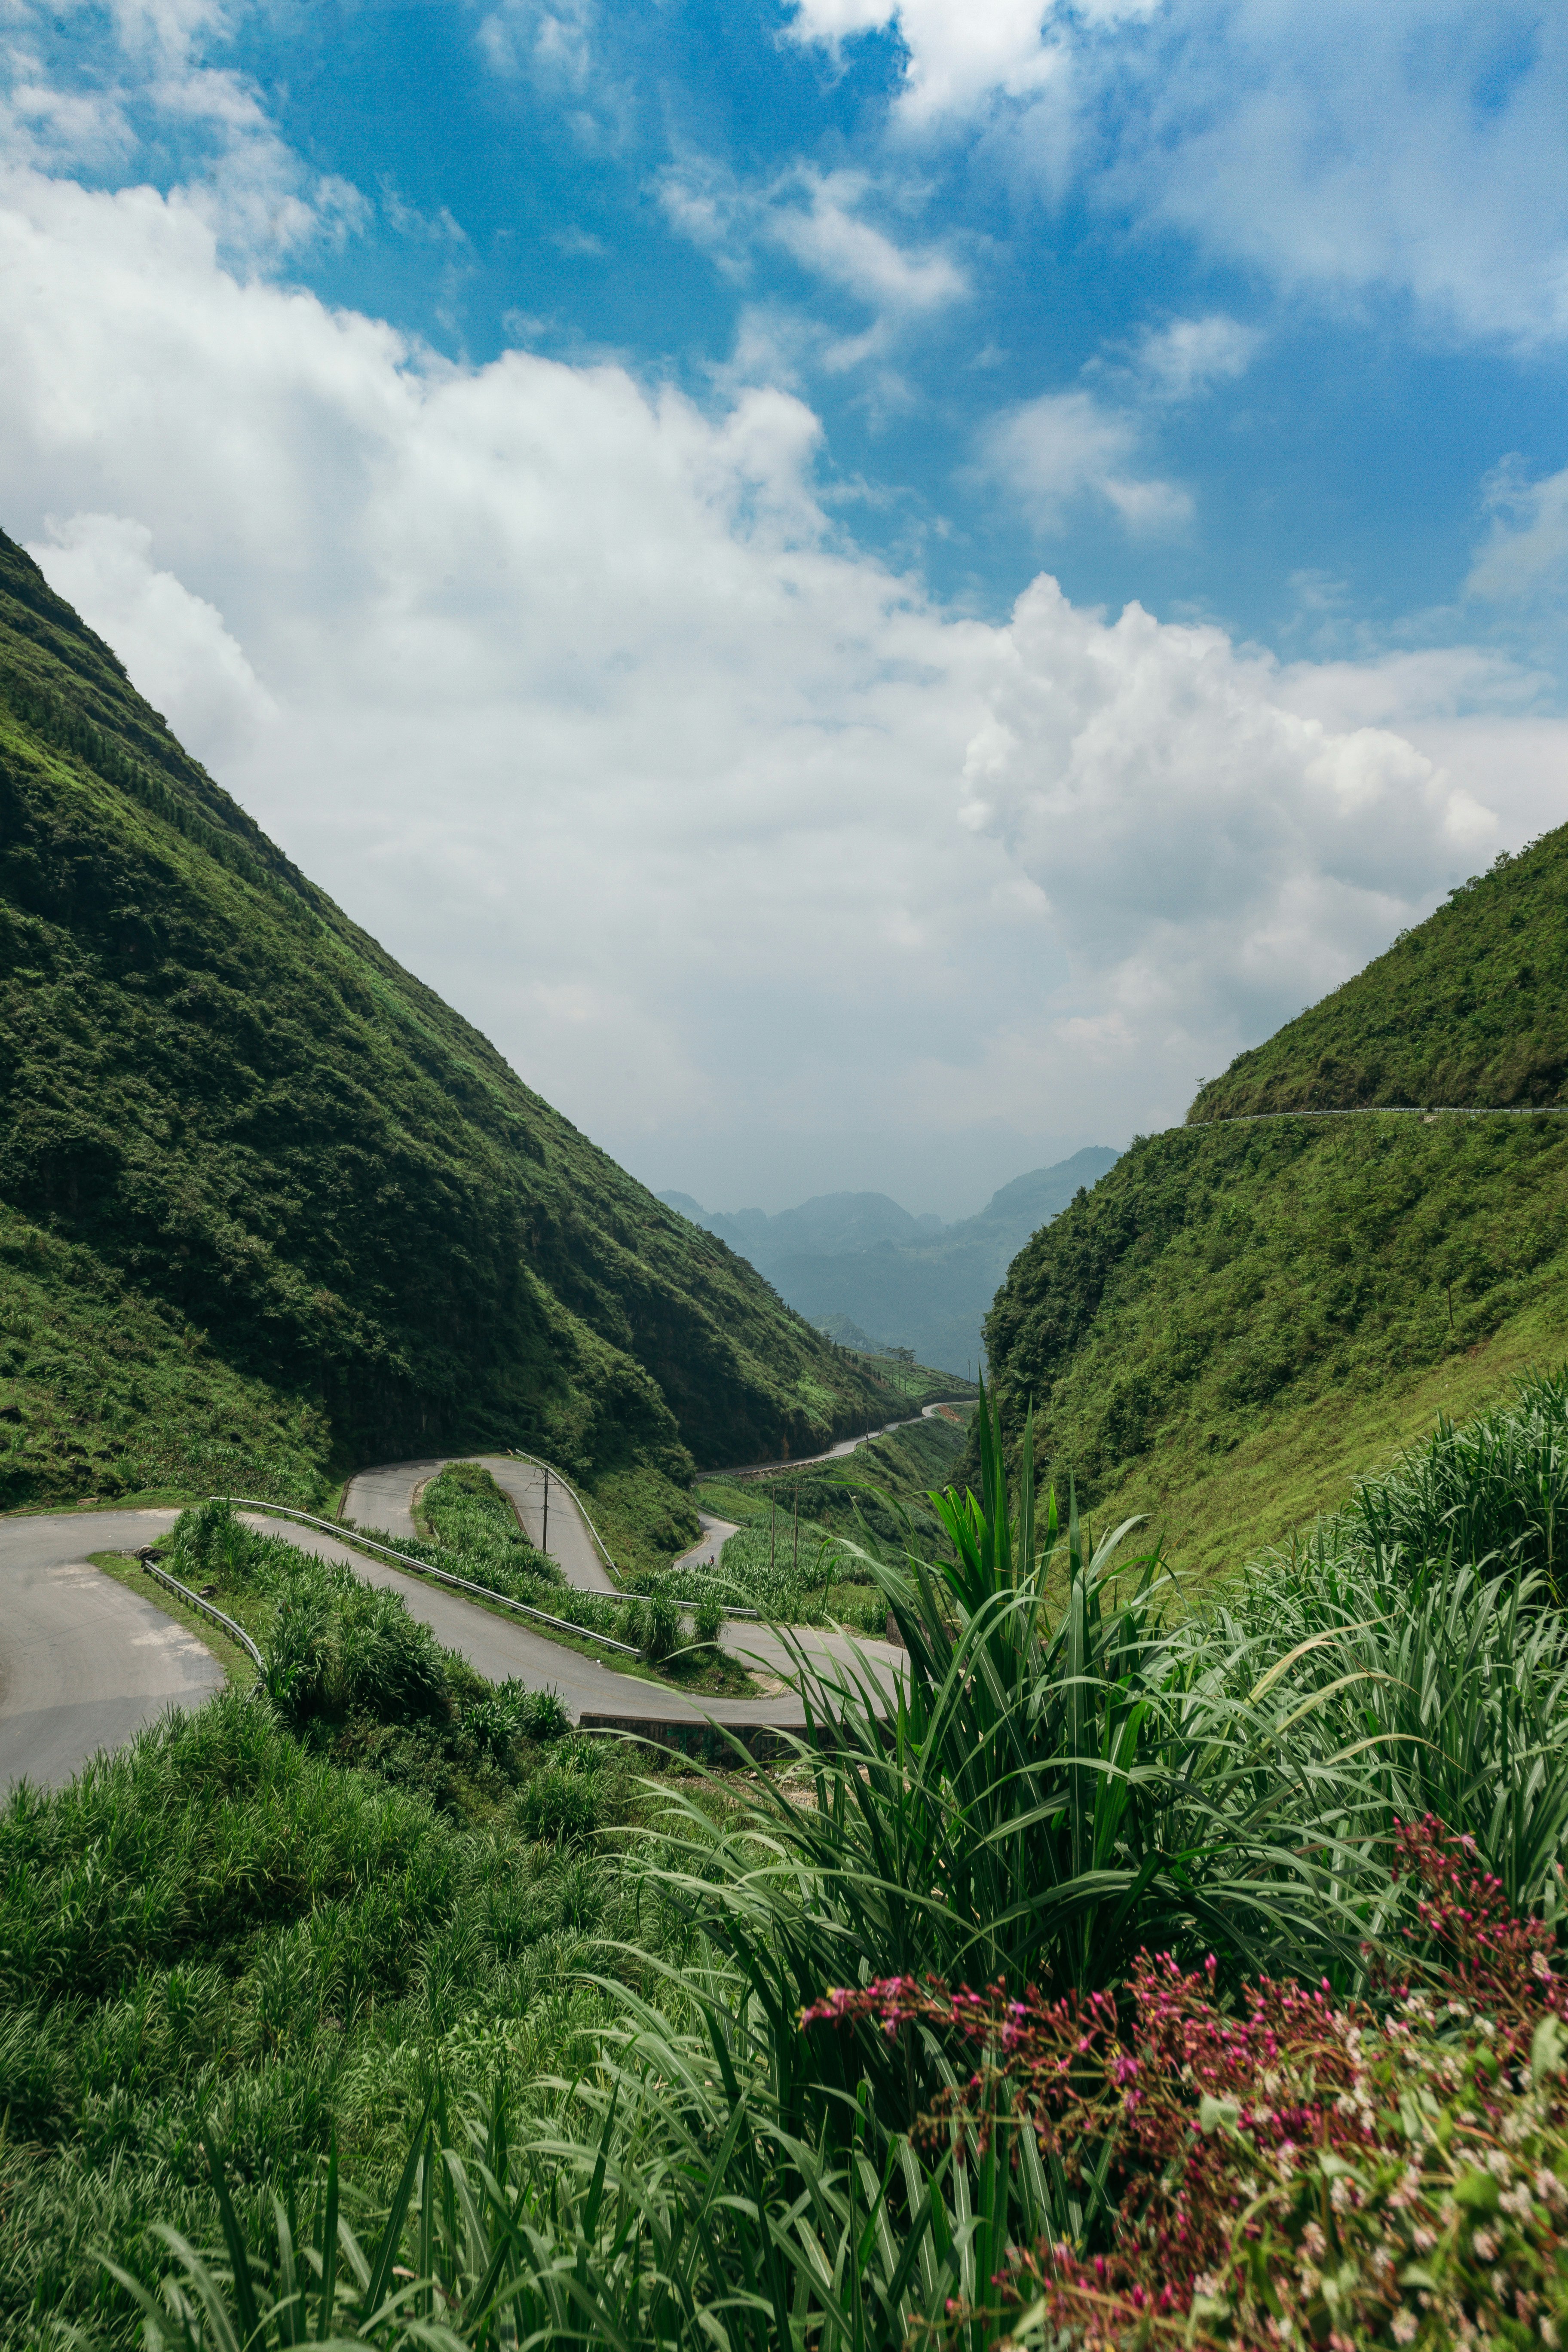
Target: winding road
385	1498
85	1663
845	1445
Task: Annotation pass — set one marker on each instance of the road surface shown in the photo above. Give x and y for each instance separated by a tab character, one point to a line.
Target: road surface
716	1534
385	1498
83	1663
836	1452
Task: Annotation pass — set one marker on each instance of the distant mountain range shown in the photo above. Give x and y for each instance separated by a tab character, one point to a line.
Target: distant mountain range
905	1281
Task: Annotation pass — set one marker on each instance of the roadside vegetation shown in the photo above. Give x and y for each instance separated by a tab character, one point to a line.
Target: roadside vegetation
548	2066
798	1555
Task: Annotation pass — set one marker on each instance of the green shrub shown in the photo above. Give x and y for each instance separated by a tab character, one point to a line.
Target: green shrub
353	1651
560	1808
511	1712
661	1629
708	1622
631	1623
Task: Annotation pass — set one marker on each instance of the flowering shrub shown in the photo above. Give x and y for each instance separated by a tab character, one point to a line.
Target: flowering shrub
1307	2172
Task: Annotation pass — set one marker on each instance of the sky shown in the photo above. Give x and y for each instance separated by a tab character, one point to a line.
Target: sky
872	592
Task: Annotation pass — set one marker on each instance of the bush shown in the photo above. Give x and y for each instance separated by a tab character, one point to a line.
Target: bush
560	1808
510	1712
708	1621
352	1650
631	1623
1306	2172
661	1629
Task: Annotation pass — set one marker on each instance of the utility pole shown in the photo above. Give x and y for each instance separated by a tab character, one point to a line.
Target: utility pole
796	1568
772	1524
544	1540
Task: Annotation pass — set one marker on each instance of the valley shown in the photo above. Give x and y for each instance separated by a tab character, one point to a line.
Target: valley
857	1262
547	1903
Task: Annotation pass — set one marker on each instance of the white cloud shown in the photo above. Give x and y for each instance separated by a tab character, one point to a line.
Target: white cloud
173	644
1526	554
957	50
551	44
820	220
828	235
1414	147
1064	446
1187	356
574	695
241	176
1213	857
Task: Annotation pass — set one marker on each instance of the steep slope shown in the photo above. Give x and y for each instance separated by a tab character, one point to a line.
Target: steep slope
266	1201
1469	1007
871	1263
1247	1312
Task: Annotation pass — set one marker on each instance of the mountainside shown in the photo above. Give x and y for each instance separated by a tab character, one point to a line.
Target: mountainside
1469	1007
266	1204
1241	1317
859	1258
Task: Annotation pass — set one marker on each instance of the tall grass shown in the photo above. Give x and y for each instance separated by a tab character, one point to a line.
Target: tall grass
1424	1624
662	2209
1493	1493
1073	1771
1058	1785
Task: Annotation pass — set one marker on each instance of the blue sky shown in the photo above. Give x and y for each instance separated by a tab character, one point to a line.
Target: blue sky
872	590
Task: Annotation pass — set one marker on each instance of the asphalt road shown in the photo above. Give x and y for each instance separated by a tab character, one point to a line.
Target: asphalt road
385	1498
836	1452
83	1663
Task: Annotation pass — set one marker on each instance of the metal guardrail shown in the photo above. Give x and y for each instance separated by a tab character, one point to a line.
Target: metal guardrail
197	1600
423	1568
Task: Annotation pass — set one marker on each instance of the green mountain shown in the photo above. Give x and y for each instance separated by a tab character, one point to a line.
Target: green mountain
859	1260
1470	1007
269	1208
1247	1311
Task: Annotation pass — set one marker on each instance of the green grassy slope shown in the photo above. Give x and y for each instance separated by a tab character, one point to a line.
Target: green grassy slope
1471	1006
289	1208
1240	1319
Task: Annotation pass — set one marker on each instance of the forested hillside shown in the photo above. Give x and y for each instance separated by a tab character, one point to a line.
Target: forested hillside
267	1206
1241	1317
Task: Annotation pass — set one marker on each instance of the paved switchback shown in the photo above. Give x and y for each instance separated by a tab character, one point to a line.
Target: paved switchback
845	1445
84	1663
500	1647
385	1498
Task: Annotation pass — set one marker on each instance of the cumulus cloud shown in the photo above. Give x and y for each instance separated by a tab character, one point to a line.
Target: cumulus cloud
574	693
1064	446
1213	858
1414	147
173	644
